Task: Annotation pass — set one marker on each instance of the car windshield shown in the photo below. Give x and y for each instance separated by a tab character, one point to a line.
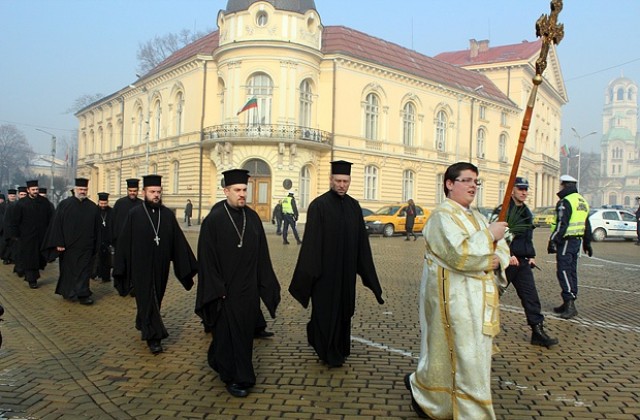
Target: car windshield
388	210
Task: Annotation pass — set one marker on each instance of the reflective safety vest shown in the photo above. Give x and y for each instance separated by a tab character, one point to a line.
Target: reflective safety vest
287	208
579	214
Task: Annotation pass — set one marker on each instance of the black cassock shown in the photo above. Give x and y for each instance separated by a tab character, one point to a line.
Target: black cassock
75	227
335	248
102	267
139	258
31	220
119	215
242	275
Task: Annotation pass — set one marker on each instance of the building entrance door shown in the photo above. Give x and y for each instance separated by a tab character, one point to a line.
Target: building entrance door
259	188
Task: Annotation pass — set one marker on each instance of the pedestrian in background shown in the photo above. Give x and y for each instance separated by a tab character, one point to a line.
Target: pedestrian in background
124	285
638	221
464	262
570	229
188	211
276	218
410	219
104	258
290	217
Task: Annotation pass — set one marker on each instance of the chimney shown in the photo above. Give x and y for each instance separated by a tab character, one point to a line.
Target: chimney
473	46
483	46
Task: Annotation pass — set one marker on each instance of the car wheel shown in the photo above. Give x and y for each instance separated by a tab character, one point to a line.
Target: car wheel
599	235
388	230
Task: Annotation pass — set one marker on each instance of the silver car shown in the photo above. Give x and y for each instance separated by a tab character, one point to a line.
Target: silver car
612	223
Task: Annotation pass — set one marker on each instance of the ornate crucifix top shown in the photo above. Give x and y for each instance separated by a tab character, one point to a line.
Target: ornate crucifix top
548	28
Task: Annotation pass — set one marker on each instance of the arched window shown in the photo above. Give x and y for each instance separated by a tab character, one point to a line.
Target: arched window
630	94
441	131
440	195
139	127
613	199
620	94
408	124
502	147
306	100
100	142
222	93
175	179
153	169
109	144
501	187
482	135
305	187
156	120
408	177
371	113
179	111
370	182
260	87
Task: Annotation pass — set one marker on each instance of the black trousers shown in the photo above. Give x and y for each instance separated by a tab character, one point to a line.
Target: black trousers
521	277
289	221
567	266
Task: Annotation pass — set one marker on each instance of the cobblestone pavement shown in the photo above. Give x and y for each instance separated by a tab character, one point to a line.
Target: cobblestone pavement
64	360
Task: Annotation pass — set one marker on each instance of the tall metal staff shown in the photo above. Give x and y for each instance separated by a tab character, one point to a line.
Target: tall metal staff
548	28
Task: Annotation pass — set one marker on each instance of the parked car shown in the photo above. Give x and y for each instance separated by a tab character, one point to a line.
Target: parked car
612	223
366	212
391	219
544	216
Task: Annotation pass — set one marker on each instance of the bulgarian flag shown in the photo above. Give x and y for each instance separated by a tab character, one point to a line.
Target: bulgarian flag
252	103
564	151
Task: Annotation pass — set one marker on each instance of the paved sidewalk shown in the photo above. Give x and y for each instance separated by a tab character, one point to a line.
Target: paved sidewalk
62	360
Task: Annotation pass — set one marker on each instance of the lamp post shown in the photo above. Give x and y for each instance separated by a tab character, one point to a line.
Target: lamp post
579	137
53	157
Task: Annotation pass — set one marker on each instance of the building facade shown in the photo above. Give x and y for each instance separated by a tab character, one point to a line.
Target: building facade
314	94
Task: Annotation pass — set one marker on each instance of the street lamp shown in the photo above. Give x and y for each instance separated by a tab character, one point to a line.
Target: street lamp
579	137
53	155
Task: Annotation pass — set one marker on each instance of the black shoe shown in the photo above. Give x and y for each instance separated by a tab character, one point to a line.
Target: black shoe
154	346
33	284
407	238
262	334
414	404
570	311
415	238
540	338
285	243
560	309
85	300
20	274
237	391
299	242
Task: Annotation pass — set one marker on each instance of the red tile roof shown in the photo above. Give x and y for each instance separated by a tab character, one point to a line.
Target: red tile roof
504	53
358	45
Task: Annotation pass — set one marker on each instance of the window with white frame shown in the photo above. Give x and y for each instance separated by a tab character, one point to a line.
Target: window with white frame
260	87
305	187
179	112
480	193
175	181
482	112
408	177
502	147
306	100
440	194
370	182
501	191
156	124
140	130
503	118
480	143
371	113
408	124
441	131
153	169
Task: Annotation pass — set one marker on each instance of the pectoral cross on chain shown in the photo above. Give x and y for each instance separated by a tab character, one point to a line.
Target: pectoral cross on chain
104	223
157	240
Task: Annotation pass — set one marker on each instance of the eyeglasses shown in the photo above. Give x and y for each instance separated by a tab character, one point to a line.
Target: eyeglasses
469	181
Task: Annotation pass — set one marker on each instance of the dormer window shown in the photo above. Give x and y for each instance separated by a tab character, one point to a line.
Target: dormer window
262	18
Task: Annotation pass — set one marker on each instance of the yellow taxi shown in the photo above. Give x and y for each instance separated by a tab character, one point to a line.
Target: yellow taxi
392	219
544	217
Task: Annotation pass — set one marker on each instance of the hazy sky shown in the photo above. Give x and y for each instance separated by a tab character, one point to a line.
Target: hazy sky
54	51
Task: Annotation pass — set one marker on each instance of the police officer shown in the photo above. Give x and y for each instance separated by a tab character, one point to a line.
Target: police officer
290	217
519	273
569	230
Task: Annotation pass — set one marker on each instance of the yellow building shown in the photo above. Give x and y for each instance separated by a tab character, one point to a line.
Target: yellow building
322	93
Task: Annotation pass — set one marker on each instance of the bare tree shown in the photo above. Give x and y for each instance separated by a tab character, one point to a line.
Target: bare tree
154	51
15	154
82	101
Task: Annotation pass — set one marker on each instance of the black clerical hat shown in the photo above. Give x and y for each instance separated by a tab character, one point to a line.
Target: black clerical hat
33	183
133	183
42	190
2	196
82	182
152	181
235	176
22	189
12	191
103	196
341	167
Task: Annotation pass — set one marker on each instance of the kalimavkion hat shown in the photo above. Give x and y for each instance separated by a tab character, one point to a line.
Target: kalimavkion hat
152	180
521	182
82	182
33	183
235	176
103	196
2	196
12	191
567	178
133	183
22	189
341	167
42	190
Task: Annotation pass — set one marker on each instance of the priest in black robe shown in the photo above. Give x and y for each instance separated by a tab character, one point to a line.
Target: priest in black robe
6	251
103	265
31	220
149	241
73	236
335	248
121	209
235	272
10	232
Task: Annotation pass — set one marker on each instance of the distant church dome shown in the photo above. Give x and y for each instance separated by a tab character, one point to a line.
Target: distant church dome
299	6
